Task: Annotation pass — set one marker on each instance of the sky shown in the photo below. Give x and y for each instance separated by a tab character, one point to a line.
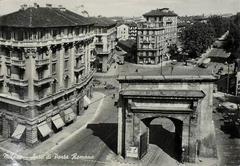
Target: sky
132	7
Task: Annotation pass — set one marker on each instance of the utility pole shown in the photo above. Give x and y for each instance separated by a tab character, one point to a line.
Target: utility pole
227	78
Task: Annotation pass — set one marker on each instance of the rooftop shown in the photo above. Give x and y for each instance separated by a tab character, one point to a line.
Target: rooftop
177	73
160	12
164	93
127	43
34	17
103	22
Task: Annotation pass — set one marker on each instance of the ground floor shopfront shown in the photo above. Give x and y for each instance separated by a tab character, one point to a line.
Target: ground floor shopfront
51	120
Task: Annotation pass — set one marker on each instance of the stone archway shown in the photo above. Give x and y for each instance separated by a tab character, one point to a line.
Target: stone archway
143	106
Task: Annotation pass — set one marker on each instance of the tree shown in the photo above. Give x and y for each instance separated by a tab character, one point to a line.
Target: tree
173	51
197	38
219	24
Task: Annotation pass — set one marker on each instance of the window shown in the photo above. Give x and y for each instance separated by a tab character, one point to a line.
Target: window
54	68
66	82
8	70
40	75
54	86
66	64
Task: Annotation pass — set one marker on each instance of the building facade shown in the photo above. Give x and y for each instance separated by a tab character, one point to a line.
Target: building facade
155	35
46	71
123	32
104	41
132	30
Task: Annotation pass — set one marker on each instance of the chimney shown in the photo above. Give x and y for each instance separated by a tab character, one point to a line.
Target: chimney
35	5
24	6
61	8
49	5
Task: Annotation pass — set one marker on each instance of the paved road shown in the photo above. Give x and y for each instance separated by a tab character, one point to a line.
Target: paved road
228	147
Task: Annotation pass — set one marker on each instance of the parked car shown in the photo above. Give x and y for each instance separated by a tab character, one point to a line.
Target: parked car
96	82
109	86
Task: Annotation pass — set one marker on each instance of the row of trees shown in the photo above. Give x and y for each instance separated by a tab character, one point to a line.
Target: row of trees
232	44
196	38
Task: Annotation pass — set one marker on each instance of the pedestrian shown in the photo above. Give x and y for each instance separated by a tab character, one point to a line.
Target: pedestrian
113	95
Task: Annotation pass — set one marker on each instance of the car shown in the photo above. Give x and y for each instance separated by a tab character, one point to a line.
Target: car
109	86
96	82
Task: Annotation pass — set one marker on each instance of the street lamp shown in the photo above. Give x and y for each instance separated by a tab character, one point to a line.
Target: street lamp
227	76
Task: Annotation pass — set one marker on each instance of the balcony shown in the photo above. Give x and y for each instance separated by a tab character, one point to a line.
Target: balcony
46	42
98	42
79	53
8	59
19	63
79	68
42	62
92	58
43	81
148	25
18	82
1	78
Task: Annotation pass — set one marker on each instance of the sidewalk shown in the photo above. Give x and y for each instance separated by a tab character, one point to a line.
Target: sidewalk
56	140
110	73
164	63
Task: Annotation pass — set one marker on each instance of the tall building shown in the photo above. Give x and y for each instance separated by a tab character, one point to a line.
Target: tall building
105	41
155	34
46	71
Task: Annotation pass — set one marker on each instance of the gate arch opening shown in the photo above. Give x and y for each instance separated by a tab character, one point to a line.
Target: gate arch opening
165	133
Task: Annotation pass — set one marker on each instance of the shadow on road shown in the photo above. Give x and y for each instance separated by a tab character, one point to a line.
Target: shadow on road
107	132
166	140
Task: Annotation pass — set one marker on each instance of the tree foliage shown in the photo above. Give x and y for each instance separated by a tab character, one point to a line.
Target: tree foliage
197	38
233	40
219	24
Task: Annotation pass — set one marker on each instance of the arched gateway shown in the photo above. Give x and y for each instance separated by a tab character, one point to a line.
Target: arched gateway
185	100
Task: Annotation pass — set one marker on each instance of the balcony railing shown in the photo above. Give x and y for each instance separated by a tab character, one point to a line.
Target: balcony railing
8	59
79	53
148	25
19	63
92	58
79	68
1	78
43	81
18	82
42	62
42	43
98	42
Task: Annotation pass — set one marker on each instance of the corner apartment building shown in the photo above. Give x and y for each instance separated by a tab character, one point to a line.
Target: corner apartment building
155	34
104	41
45	73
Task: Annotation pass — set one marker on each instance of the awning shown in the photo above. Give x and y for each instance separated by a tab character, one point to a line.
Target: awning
17	134
69	115
87	101
57	121
44	129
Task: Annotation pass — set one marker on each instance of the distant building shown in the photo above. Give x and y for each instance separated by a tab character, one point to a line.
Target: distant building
105	42
122	32
155	35
132	30
46	71
129	46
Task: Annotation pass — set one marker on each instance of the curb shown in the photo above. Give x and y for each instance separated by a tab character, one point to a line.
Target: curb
12	154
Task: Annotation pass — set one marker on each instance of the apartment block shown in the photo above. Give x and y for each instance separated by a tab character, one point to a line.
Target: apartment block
155	34
104	41
46	71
